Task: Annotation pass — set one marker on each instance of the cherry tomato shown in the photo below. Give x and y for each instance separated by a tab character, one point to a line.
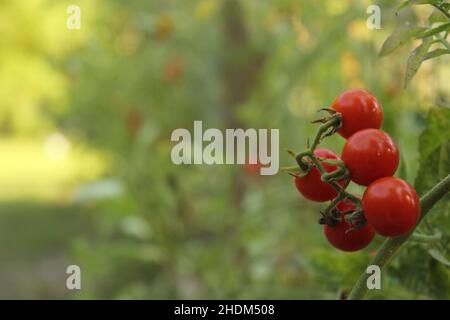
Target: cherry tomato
391	206
360	110
312	187
253	168
344	235
369	155
345	206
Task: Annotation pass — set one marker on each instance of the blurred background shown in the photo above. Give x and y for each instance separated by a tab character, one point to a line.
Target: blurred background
85	123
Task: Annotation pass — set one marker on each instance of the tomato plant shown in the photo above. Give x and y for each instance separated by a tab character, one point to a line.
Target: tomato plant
432	180
390	206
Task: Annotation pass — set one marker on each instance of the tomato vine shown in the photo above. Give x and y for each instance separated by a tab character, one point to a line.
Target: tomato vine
392	245
349	230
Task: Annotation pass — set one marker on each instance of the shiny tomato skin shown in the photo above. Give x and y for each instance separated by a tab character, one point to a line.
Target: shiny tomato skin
345	205
360	110
344	236
391	206
311	186
369	155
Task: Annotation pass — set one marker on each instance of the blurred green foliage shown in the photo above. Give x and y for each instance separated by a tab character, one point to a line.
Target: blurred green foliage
137	70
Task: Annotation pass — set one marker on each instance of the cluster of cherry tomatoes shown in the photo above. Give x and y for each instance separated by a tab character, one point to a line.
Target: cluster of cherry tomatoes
389	205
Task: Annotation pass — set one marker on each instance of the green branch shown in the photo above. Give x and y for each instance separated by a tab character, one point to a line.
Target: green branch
392	245
444	42
441	10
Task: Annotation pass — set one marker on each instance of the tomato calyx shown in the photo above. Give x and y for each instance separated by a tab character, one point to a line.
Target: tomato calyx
328	220
307	160
354	217
331	123
348	210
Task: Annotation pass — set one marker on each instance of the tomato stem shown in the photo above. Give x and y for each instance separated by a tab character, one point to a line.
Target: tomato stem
392	245
329	209
426	237
302	163
329	127
330	178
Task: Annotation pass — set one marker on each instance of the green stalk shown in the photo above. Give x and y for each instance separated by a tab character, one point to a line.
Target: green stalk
442	10
392	245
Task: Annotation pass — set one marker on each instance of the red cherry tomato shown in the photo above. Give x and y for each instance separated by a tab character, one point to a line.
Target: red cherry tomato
344	235
253	168
312	187
391	206
369	155
345	206
360	110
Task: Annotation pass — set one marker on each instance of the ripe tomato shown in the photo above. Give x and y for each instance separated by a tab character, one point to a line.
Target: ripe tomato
360	110
312	187
345	205
391	206
253	168
344	235
369	155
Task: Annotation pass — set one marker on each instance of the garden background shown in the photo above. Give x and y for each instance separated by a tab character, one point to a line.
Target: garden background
85	123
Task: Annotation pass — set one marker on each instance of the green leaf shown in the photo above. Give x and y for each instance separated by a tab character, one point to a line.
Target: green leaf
402	5
433	169
434	165
399	37
437	16
435	53
436	134
431	32
439	257
419	273
419	2
415	59
425	1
